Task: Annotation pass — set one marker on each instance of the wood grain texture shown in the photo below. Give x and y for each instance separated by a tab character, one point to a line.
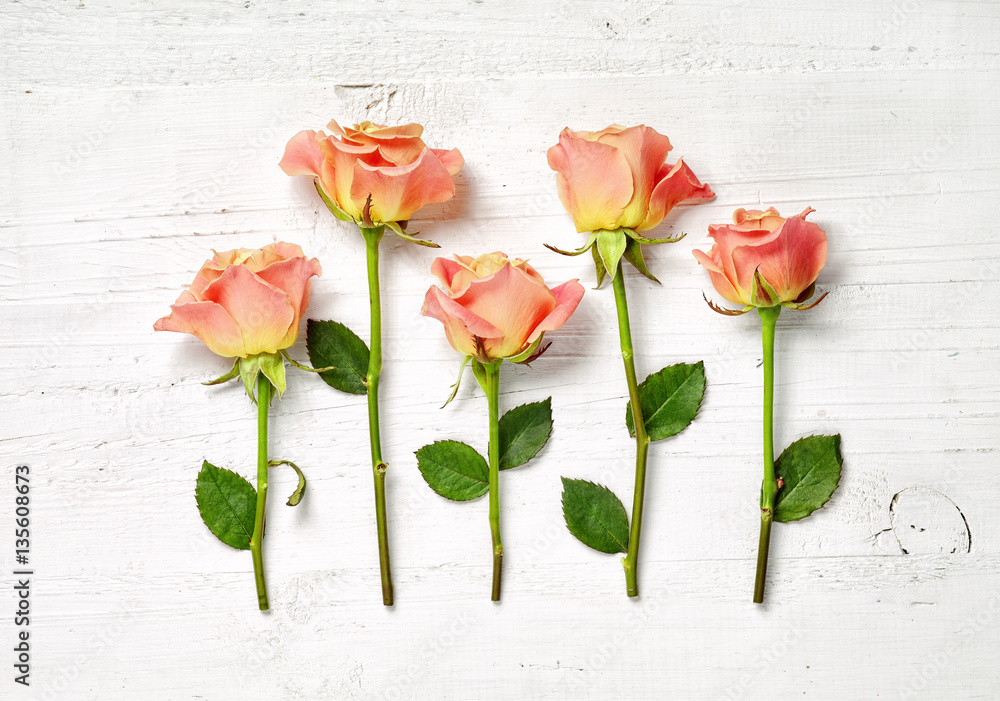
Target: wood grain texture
137	136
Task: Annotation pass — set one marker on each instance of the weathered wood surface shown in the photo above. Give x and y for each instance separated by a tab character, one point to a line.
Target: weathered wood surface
136	137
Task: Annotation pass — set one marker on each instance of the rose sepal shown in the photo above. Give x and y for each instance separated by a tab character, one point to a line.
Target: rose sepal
398	230
722	310
231	375
611	247
334	209
529	353
805	307
761	292
636	236
799	303
271	365
633	254
583	249
458	381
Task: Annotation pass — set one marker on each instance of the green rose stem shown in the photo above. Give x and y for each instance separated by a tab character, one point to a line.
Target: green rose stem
372	237
491	385
631	559
769	488
257	539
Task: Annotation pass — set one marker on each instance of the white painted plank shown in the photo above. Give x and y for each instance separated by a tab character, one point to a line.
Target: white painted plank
136	138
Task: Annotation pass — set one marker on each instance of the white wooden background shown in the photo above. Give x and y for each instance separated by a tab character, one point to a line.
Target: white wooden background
136	136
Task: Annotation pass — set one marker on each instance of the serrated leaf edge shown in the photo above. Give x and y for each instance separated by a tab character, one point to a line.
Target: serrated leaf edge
548	401
623	546
701	400
448	440
228	503
362	377
840	472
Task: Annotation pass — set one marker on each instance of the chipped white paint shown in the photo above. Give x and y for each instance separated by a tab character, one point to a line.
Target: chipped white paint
137	136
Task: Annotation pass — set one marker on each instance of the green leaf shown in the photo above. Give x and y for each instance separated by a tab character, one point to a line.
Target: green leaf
670	400
454	470
523	432
595	516
810	470
228	505
331	344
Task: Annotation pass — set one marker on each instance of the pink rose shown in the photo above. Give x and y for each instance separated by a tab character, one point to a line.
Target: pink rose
619	178
784	255
391	165
495	308
246	302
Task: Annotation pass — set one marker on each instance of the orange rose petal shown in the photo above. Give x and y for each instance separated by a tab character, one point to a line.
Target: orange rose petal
513	302
209	272
336	128
445	270
400	150
568	296
379	131
455	330
210	323
645	149
460	324
792	260
397	192
594	181
452	159
529	271
292	276
396	145
738	269
302	155
718	276
677	183
768	219
262	311
338	174
284	250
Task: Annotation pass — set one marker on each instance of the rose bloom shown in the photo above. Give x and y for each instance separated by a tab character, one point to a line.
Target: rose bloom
390	164
618	177
788	253
495	308
244	302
